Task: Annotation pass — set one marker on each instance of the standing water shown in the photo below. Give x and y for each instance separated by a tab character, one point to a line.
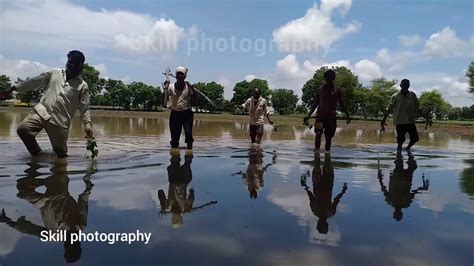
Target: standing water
228	203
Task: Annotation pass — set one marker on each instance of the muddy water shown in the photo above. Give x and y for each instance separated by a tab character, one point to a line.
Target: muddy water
232	204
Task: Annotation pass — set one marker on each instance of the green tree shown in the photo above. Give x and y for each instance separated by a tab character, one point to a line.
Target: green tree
227	106
378	96
467	113
360	96
455	113
432	103
301	109
467	178
4	82
115	92
91	76
141	94
32	96
243	90
214	91
345	80
470	75
284	101
156	99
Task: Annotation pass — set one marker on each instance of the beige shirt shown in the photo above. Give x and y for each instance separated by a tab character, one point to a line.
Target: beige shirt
405	108
180	100
257	110
61	99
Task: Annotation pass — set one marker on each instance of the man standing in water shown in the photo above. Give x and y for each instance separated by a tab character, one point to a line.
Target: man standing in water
405	108
326	99
181	92
66	92
257	108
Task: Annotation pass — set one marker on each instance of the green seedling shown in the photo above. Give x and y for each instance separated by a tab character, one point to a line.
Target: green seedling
91	145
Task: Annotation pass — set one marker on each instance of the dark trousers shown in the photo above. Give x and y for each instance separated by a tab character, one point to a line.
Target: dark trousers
403	129
178	121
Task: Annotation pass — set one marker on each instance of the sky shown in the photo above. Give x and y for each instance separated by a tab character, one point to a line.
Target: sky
430	42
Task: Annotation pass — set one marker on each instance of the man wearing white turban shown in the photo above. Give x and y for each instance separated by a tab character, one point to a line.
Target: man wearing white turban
181	92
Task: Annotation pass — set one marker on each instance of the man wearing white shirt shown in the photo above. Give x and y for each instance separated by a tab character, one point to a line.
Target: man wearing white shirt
66	92
257	108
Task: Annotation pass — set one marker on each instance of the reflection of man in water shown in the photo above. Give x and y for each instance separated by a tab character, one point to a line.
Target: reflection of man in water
58	208
399	194
255	172
320	200
178	201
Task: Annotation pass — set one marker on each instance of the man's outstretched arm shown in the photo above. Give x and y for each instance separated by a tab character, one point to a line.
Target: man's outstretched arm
30	84
338	198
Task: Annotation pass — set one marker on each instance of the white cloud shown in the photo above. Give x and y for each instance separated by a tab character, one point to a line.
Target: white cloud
452	87
383	56
10	238
228	88
315	31
291	74
164	36
446	44
396	62
125	79
250	77
367	70
102	70
15	68
410	40
328	6
55	22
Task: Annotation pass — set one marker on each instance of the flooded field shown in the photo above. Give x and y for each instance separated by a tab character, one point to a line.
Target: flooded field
228	203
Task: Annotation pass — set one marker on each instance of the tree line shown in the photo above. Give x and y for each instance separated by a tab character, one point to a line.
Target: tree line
365	101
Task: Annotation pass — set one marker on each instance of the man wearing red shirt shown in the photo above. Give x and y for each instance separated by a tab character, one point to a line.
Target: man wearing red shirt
326	99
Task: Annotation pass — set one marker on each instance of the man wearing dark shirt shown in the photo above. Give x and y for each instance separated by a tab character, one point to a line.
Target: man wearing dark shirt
326	99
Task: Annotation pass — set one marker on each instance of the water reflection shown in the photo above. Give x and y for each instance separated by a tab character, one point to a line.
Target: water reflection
255	173
59	210
320	200
467	178
179	201
399	194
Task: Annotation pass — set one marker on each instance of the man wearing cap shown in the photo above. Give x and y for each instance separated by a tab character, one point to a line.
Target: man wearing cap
257	108
66	92
406	108
181	92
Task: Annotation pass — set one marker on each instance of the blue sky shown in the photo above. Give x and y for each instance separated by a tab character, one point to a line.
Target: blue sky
429	42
